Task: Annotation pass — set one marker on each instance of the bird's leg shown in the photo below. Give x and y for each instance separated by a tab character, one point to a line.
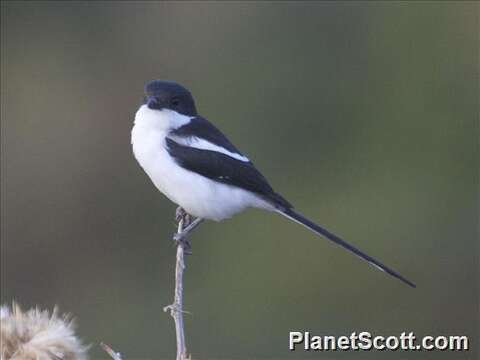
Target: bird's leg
189	223
180	214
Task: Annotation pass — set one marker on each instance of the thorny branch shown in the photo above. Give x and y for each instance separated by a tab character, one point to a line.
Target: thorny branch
176	309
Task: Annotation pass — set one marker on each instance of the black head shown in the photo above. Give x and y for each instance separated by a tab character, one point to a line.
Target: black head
169	95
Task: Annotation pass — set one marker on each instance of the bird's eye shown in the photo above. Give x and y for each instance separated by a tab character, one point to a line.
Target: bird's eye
175	102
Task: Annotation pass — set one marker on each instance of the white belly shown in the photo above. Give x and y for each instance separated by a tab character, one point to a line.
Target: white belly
198	195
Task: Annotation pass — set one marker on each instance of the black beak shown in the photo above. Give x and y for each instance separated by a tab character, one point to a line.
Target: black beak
154	103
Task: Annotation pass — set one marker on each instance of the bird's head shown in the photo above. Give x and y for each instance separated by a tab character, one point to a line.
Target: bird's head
161	94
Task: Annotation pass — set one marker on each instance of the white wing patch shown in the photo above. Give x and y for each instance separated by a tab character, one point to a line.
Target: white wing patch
202	144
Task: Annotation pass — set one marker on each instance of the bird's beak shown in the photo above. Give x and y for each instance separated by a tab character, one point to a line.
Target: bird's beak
154	103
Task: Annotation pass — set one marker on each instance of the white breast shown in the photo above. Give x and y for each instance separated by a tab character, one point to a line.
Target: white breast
198	195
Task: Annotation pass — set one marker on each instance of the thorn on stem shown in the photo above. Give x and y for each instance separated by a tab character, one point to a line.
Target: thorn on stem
174	309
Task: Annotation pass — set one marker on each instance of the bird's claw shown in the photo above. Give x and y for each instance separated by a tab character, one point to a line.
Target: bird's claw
186	223
181	214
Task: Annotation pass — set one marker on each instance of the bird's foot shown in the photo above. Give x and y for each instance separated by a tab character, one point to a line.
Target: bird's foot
181	214
181	236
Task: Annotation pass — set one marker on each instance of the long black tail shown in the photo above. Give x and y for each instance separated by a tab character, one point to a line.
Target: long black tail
295	216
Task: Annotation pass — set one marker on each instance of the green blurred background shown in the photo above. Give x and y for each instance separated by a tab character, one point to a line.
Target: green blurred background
364	115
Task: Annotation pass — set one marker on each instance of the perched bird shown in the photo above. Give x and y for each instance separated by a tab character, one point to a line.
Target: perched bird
195	165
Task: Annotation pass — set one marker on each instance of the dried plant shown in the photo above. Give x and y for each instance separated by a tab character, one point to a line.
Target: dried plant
38	335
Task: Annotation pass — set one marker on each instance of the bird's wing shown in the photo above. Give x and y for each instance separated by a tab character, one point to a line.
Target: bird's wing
202	129
201	148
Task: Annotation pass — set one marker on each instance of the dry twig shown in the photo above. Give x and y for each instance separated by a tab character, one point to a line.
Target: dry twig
114	355
176	309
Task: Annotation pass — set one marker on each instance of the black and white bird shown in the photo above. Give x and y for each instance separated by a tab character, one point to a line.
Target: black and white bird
195	165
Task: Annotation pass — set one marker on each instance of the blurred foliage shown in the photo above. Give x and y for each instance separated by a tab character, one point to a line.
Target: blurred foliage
364	115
